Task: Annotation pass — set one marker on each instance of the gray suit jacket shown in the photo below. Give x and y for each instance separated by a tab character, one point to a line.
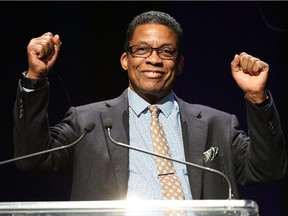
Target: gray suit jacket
100	168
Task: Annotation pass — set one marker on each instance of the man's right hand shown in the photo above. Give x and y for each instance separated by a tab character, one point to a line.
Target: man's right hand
42	54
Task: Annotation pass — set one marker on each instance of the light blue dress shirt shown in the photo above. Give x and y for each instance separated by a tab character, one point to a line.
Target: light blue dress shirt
143	179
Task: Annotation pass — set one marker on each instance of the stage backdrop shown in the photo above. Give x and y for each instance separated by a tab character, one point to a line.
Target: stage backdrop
88	69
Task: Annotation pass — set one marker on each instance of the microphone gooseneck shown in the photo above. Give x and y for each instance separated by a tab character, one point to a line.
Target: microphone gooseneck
87	129
108	126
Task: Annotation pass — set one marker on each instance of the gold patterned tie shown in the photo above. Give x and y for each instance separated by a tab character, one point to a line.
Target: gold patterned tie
170	183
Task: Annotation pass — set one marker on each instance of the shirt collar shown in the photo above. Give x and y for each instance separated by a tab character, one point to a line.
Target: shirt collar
139	105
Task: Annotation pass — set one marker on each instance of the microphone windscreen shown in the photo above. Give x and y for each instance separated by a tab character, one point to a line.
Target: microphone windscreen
107	123
90	126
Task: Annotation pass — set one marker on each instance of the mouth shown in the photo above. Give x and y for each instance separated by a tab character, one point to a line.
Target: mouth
153	74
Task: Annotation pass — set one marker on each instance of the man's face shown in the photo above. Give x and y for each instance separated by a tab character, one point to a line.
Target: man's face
152	77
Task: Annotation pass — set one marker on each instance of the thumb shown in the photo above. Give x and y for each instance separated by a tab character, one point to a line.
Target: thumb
57	43
235	64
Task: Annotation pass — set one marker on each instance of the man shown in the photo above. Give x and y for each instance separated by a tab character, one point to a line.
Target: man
103	170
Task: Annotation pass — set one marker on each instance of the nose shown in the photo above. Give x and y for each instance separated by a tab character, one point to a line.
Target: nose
154	57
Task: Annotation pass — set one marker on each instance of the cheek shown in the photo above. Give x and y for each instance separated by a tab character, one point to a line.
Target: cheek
134	77
133	68
170	79
173	72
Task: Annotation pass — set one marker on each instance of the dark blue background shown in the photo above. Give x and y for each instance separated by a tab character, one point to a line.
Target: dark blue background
88	69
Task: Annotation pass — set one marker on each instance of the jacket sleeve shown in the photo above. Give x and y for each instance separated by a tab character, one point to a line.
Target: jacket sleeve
265	157
32	132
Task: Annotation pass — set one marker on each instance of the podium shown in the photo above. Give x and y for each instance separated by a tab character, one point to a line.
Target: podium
132	208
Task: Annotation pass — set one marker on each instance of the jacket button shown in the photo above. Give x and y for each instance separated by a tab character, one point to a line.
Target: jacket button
271	127
21	113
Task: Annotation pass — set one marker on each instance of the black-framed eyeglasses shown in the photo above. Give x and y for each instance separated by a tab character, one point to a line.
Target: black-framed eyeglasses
144	51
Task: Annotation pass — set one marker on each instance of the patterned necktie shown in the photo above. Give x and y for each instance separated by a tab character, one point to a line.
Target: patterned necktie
171	186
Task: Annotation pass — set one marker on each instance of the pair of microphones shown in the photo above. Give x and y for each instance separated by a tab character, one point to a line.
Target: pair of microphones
108	126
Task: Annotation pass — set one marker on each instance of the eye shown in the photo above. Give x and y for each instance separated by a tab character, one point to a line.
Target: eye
141	50
167	51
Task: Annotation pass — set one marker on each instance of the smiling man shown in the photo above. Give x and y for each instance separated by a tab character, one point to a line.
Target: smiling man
152	61
105	171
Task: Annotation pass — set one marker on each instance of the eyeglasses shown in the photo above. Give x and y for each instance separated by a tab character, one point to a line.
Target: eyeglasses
164	52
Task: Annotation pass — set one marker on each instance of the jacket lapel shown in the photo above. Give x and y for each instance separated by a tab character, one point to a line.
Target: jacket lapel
117	112
194	131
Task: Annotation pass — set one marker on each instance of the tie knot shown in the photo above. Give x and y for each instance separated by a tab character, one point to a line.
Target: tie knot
154	109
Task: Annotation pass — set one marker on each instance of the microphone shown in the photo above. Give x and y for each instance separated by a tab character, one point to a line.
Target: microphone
108	126
87	129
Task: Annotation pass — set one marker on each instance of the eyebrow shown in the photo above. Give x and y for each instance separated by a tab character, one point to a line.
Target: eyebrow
147	44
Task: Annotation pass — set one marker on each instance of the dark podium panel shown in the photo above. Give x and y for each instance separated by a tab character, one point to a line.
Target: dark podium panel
132	208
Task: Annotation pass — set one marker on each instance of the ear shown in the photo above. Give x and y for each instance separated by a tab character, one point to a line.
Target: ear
180	65
124	61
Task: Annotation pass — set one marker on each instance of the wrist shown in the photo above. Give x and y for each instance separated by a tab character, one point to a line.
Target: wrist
263	103
256	97
260	100
32	83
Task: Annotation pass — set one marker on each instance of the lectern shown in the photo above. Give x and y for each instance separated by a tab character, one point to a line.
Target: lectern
132	208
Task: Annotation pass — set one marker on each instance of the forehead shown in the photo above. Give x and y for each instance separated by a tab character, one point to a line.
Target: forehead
154	34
